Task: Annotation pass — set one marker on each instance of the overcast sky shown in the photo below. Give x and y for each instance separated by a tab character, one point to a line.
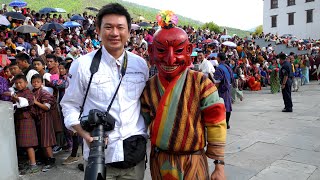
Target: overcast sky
242	14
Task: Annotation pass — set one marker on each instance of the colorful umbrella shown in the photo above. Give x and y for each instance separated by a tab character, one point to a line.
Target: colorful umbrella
18	3
4	21
229	43
15	15
71	24
135	26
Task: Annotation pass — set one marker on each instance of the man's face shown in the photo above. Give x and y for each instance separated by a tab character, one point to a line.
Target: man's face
58	50
21	63
200	57
8	73
171	52
20	40
21	84
46	42
113	32
36	83
34	42
14	70
38	66
51	63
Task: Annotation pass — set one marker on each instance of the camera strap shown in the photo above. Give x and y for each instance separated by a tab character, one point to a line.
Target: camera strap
94	68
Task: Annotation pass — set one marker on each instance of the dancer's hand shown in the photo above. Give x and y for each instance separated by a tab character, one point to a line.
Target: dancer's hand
218	173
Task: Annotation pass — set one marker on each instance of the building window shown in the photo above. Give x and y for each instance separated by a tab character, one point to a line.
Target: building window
290	18
309	1
274	21
309	15
274	4
291	2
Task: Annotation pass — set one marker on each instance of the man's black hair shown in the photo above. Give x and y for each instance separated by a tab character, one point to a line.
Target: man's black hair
20	76
39	60
222	56
59	59
23	57
37	76
51	56
113	8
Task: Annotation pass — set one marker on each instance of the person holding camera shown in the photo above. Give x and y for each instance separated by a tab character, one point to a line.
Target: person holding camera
114	90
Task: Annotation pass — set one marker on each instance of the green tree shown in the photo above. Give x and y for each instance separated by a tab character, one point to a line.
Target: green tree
212	27
258	30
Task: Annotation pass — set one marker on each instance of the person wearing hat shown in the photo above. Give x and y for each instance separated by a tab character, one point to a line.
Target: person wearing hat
286	75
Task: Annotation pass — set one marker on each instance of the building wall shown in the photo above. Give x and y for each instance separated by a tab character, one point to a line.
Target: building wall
300	29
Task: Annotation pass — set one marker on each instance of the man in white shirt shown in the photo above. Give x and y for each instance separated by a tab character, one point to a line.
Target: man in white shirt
113	25
205	66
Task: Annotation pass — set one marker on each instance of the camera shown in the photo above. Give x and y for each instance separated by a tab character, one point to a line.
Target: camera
97	123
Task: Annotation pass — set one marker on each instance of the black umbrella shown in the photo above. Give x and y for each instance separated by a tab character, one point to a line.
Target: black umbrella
77	18
15	15
93	9
144	24
47	10
27	29
52	26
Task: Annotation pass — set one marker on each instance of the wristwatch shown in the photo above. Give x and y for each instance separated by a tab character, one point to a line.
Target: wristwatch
218	162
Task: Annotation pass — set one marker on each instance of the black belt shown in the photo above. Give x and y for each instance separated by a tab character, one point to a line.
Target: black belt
158	150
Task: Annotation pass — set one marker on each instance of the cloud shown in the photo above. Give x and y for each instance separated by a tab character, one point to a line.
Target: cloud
244	14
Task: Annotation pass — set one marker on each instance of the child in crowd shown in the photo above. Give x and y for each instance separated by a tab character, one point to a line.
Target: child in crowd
43	101
72	139
39	66
14	70
297	78
25	128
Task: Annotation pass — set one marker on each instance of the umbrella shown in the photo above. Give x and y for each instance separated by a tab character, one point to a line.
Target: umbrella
144	24
92	9
77	17
52	26
27	29
194	54
207	41
15	15
47	10
18	3
4	21
135	26
71	24
213	55
60	10
229	43
225	37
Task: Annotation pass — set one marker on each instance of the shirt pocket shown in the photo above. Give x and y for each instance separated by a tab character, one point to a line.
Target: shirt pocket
134	86
100	87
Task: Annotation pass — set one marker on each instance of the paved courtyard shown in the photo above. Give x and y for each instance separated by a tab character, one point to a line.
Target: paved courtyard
263	142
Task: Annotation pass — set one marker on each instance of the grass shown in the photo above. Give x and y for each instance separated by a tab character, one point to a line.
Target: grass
78	6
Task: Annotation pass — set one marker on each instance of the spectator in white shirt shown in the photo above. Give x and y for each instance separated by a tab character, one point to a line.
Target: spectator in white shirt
205	66
46	45
113	25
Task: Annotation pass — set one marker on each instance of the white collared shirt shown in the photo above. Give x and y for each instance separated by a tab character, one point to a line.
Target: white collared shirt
126	106
206	67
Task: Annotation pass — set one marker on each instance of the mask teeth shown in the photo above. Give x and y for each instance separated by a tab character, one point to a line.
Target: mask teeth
169	68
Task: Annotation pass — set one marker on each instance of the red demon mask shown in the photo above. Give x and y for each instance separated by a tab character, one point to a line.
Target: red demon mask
170	52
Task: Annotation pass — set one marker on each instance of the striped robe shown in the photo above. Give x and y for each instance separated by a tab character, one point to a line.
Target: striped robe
177	113
25	128
44	121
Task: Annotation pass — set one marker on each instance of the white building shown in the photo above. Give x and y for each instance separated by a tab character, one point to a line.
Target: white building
300	18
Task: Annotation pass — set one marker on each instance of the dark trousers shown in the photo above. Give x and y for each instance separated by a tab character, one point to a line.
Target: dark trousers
286	94
228	114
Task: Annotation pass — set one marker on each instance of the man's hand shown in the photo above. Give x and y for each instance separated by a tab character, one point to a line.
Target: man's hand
218	173
6	93
283	86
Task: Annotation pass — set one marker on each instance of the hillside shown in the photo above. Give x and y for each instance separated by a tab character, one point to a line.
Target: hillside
78	6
